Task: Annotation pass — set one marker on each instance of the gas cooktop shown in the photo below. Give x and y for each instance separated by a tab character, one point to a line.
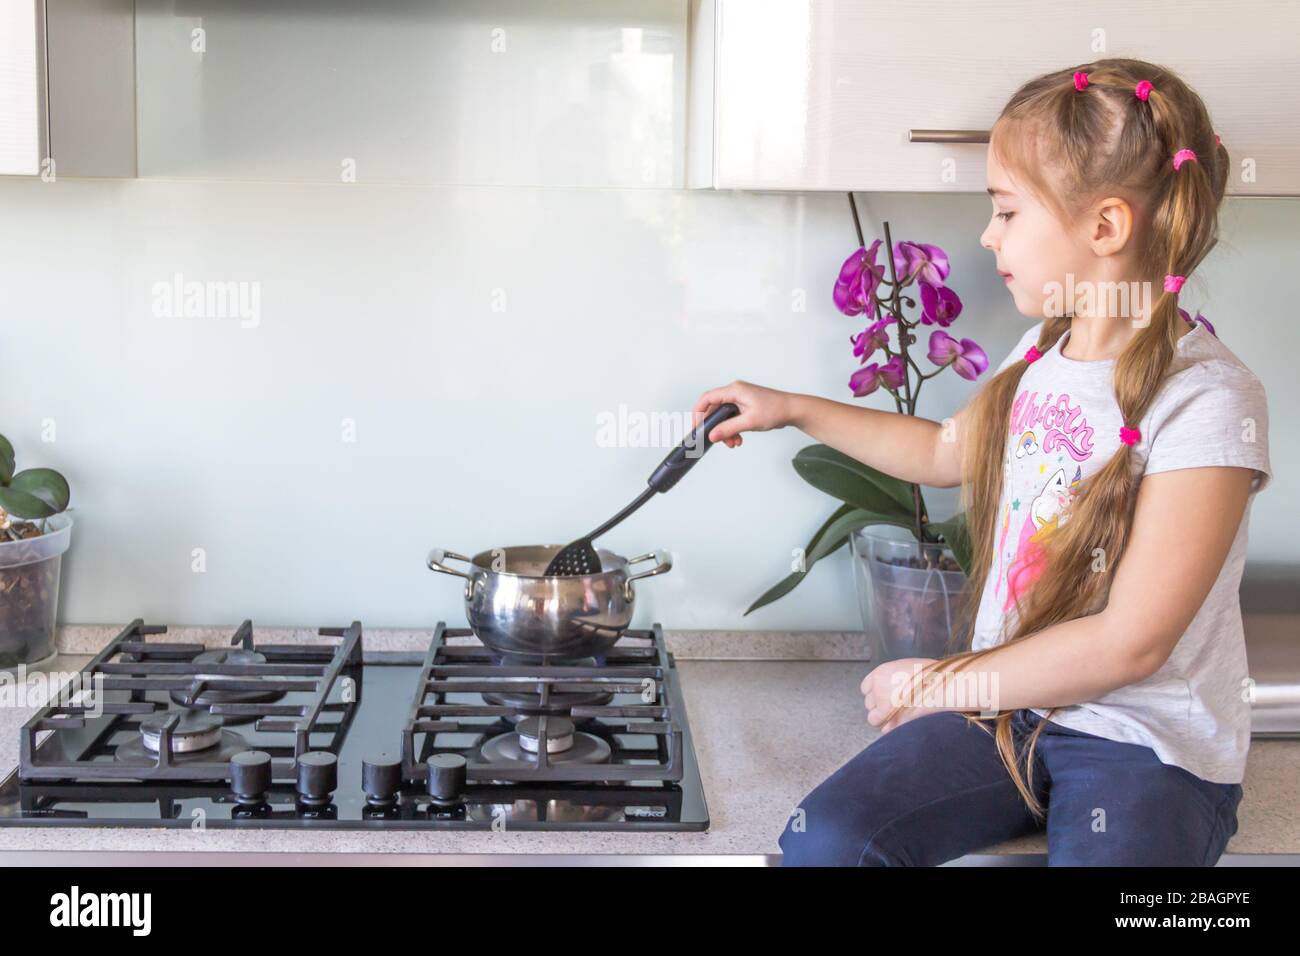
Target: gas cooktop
331	735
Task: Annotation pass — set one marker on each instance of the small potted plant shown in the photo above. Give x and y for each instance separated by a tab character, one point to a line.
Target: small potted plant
909	571
35	530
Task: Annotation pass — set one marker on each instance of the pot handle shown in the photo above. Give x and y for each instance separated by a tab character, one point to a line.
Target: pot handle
435	563
664	563
439	555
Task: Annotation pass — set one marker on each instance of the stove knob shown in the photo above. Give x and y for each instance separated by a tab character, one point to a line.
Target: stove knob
381	778
446	778
250	776
318	777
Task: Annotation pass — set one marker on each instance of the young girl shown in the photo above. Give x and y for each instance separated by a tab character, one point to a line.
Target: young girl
1107	469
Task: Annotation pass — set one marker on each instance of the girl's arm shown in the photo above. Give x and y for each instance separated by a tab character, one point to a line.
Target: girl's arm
913	449
1183	528
905	446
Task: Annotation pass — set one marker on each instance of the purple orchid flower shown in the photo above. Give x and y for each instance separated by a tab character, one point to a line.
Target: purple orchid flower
870	377
939	306
1199	318
858	279
874	336
966	357
929	261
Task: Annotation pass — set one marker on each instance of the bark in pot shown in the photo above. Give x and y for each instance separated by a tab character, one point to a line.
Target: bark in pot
29	589
910	597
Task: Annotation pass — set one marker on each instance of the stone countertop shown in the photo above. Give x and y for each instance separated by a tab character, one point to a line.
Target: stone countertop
765	733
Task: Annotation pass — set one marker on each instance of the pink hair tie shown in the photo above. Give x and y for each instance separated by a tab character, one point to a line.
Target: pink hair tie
1129	436
1217	141
1174	284
1080	80
1143	90
1032	354
1182	156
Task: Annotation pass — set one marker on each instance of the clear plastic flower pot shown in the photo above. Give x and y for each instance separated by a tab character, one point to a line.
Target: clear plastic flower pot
908	611
29	592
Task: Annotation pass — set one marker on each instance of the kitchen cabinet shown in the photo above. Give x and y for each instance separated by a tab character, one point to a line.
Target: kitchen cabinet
479	92
899	96
67	88
500	92
878	95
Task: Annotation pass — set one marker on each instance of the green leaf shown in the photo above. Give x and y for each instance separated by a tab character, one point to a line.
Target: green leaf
836	515
956	535
21	504
6	460
46	484
830	537
854	483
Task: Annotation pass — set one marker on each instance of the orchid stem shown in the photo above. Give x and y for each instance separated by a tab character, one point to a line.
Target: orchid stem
903	333
857	223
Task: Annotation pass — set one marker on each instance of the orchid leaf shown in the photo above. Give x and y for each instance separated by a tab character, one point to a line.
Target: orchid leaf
829	538
22	504
45	484
854	483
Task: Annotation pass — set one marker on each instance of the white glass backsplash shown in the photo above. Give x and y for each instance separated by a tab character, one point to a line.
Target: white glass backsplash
423	366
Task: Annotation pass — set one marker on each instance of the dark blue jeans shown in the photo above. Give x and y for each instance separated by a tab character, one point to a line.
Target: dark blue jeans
934	789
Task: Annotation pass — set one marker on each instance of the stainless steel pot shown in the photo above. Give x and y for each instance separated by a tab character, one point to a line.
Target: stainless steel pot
514	607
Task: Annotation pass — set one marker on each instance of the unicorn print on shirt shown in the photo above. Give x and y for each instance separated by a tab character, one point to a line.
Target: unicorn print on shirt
1038	498
1045	514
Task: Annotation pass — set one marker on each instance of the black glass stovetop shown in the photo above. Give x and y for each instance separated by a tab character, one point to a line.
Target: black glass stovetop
618	754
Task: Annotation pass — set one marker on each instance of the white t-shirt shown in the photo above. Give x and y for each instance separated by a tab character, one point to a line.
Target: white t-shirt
1194	712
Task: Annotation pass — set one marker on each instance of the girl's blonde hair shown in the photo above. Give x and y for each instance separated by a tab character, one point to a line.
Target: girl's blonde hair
1072	147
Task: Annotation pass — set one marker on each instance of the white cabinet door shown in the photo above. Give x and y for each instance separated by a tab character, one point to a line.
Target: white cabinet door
21	124
495	92
827	94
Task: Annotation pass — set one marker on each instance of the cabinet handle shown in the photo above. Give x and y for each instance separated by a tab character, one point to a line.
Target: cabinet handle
948	135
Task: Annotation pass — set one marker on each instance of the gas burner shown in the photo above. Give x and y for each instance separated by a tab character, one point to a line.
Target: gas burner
192	732
194	737
609	720
211	693
289	693
564	745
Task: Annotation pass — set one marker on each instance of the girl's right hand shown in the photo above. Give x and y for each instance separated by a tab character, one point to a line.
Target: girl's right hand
761	409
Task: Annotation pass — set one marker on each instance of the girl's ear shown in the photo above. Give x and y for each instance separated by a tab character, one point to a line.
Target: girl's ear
1110	226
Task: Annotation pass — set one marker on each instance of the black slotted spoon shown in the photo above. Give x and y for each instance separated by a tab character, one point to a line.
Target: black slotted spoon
580	557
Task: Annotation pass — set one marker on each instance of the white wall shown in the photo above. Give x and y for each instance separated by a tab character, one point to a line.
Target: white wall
476	428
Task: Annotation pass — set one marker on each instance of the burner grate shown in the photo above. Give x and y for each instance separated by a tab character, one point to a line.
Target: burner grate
635	674
130	668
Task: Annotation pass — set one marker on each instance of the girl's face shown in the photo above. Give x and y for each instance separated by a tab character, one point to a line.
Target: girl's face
1031	245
